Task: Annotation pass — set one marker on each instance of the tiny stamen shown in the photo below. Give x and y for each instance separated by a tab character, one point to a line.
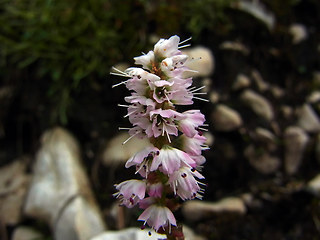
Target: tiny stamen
130	138
184	46
121	105
119	71
188	39
122	128
197	89
202	99
118	84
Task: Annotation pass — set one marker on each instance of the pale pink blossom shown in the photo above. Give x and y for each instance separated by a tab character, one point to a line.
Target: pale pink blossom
193	145
147	202
171	63
193	119
141	83
155	189
145	60
170	160
184	184
164	122
167	47
198	159
157	217
131	192
143	157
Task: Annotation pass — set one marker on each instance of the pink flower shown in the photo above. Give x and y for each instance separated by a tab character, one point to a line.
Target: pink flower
142	160
155	189
184	184
193	119
145	60
140	82
131	191
136	132
170	160
198	159
163	122
193	145
172	63
145	154
158	216
167	47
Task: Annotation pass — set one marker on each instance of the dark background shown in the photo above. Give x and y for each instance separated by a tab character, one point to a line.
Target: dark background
55	59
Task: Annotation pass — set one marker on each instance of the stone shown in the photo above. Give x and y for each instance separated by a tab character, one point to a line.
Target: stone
276	91
146	234
116	152
214	97
259	104
313	186
257	10
14	183
261	160
298	32
129	234
234	46
26	233
266	137
287	111
307	118
225	118
259	81
196	210
60	193
242	81
201	60
295	141
314	97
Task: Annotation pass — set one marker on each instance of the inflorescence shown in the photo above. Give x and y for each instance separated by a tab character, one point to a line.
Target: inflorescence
170	167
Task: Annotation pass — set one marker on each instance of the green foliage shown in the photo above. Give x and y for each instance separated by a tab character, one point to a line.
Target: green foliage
68	42
207	14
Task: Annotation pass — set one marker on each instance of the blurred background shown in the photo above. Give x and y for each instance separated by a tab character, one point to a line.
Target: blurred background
260	62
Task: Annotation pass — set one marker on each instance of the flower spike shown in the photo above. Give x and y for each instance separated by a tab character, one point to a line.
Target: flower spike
170	168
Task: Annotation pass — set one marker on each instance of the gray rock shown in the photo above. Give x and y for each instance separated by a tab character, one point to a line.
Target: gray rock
225	118
14	183
308	119
313	186
298	32
234	46
146	234
201	60
259	81
257	10
116	152
295	141
26	233
259	104
276	91
314	97
266	137
242	81
60	193
214	97
196	210
129	234
262	160
287	111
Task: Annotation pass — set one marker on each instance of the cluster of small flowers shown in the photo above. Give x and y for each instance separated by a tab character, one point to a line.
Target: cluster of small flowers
170	167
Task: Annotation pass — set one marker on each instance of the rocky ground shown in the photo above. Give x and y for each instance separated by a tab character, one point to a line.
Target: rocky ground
262	171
